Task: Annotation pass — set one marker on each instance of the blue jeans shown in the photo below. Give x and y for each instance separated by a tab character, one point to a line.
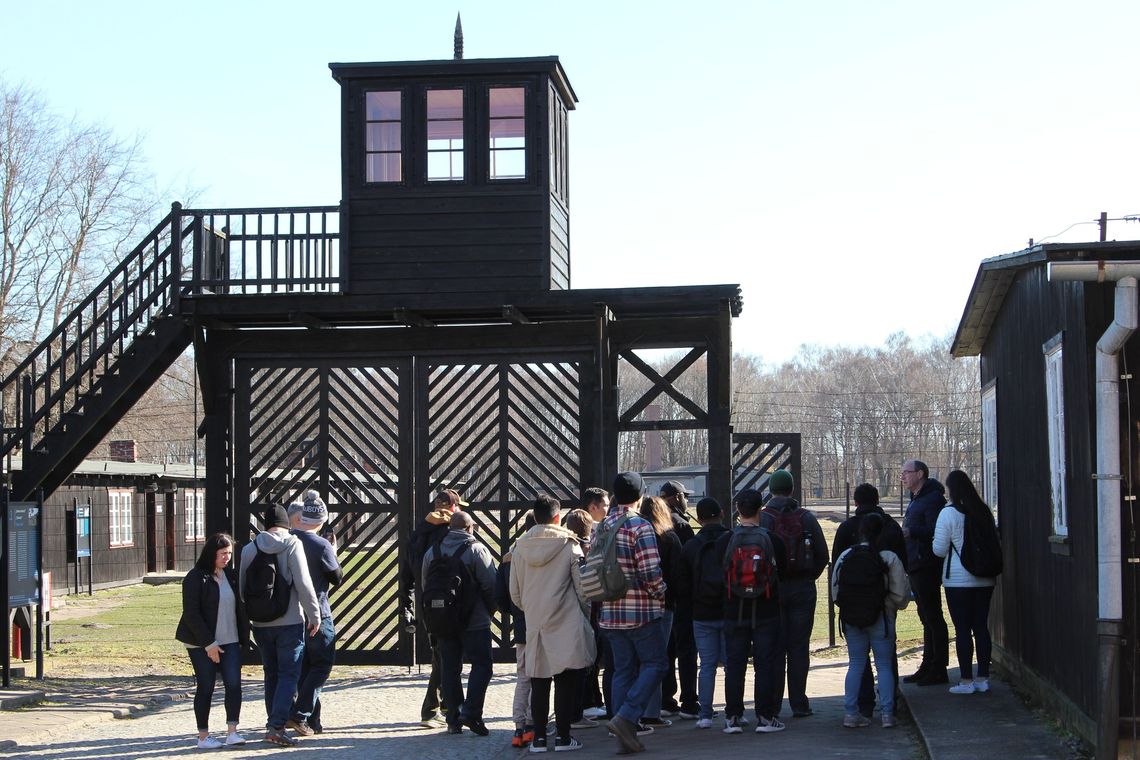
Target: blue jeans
639	664
320	654
761	641
653	706
281	647
206	675
878	637
797	618
709	635
476	647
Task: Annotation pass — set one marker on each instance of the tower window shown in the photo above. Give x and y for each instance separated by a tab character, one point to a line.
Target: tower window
383	142
444	135
507	132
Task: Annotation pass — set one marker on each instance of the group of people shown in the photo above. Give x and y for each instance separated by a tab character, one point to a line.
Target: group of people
673	606
279	595
716	595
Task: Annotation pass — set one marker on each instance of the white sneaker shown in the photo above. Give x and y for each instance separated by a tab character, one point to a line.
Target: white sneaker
733	726
234	739
705	723
594	712
209	743
769	726
981	685
965	687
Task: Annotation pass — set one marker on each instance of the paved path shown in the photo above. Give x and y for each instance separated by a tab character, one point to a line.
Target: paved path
374	713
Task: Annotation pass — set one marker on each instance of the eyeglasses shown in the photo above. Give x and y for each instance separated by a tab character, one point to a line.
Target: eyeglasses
909	472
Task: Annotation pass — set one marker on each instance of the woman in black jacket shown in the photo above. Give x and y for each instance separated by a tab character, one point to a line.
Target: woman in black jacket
214	629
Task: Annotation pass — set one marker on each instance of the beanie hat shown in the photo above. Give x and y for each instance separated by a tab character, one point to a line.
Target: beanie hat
708	508
628	488
781	483
313	510
276	517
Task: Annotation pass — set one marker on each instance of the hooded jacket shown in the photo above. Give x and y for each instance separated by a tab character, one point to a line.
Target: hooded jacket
479	565
811	528
921	518
425	535
545	583
291	563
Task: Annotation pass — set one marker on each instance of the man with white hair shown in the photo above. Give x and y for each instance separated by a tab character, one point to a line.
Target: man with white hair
306	517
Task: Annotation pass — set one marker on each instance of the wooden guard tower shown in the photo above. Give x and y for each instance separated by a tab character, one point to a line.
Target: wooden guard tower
421	334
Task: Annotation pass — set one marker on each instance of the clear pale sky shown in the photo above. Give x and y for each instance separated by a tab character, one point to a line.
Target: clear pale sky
848	164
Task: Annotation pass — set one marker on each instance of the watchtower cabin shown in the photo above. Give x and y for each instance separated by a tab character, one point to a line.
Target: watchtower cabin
421	334
455	175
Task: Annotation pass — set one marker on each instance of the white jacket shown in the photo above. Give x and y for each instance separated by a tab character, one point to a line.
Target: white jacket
948	537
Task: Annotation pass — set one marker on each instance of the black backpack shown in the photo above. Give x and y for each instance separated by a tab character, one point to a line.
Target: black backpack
861	593
265	591
447	599
789	526
707	571
981	546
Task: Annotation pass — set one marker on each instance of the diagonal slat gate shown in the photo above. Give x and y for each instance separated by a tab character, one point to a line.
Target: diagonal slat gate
338	427
501	433
755	456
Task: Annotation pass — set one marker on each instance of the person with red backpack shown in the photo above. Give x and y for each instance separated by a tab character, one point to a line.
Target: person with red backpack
807	558
753	560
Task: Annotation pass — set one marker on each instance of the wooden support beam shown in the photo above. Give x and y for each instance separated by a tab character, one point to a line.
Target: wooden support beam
411	318
308	320
515	314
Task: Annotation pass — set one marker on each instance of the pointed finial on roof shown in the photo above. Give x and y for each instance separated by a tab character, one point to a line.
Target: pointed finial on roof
458	38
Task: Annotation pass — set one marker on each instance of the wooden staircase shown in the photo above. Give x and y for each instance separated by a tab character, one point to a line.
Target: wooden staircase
80	381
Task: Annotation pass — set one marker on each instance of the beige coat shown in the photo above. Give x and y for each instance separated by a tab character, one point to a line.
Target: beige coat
546	585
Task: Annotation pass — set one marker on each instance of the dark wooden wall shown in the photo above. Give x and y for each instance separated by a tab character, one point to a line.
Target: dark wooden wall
112	565
475	235
1045	609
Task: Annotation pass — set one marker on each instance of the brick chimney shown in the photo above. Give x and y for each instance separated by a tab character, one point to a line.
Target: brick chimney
653	439
124	451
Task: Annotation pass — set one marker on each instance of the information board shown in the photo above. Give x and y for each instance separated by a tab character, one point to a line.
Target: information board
83	531
23	553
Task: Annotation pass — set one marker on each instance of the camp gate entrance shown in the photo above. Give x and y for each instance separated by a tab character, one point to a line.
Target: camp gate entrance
353	430
378	432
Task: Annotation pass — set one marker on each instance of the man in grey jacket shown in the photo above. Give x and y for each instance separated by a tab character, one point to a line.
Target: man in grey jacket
475	643
281	641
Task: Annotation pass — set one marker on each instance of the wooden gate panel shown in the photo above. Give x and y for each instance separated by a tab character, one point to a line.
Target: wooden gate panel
501	433
343	429
755	456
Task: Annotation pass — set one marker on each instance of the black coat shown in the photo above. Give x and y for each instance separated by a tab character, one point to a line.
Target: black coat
921	517
200	609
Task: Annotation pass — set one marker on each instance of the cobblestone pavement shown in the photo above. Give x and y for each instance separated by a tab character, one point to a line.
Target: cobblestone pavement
374	713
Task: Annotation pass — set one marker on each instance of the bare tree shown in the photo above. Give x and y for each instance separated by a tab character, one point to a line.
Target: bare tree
72	198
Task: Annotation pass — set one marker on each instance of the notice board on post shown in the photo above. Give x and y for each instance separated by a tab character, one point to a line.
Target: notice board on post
23	553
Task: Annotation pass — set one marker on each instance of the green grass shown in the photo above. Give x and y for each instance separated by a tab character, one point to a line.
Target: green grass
126	630
907	626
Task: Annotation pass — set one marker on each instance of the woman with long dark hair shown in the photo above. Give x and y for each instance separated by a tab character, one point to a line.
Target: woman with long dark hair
967	595
656	512
214	629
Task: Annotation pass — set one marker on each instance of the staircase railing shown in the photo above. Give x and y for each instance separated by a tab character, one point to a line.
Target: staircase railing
53	380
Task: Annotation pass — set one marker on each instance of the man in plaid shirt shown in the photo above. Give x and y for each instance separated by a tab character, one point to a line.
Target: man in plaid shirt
632	624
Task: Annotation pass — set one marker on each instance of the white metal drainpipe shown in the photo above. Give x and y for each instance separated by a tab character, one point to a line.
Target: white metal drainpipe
1110	625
